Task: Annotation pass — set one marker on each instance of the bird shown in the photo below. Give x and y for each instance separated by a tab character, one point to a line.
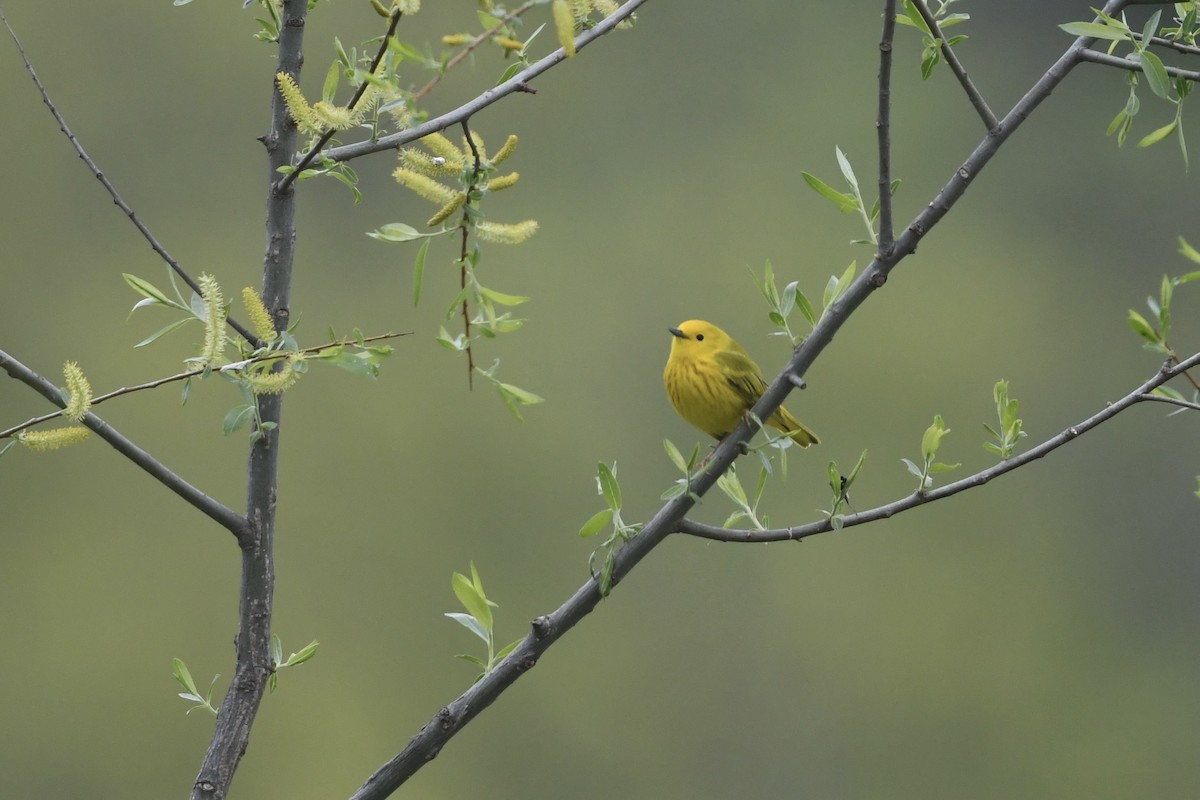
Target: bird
712	382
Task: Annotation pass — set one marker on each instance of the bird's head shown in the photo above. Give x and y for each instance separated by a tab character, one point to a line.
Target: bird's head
697	336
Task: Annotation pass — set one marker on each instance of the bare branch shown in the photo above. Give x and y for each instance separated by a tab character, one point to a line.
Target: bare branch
1138	395
1174	401
1096	57
192	373
223	515
883	127
981	106
112	190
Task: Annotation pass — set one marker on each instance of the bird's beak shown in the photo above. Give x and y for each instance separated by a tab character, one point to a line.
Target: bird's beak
678	333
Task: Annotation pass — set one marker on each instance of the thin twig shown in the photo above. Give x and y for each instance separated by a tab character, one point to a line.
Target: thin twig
981	106
1174	401
517	83
111	189
470	47
1178	47
287	179
1138	395
1096	57
465	227
883	128
192	373
223	515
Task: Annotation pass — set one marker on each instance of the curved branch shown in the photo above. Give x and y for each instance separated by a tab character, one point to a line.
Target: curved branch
223	515
112	190
517	83
1139	395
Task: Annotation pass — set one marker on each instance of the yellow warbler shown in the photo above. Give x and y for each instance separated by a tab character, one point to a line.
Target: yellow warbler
713	382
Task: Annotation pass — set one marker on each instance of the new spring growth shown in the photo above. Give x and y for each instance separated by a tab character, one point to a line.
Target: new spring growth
564	26
53	439
214	319
263	379
409	7
260	318
321	116
79	392
79	399
420	171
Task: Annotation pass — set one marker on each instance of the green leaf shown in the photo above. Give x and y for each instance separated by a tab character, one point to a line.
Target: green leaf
177	324
1150	28
501	298
419	271
521	396
847	170
237	417
1094	30
914	18
846	203
1116	123
932	438
913	468
183	676
1189	252
806	308
1156	74
303	654
675	456
332	77
472	599
862	459
1156	136
508	648
609	488
732	487
396	232
472	659
149	290
1142	328
598	522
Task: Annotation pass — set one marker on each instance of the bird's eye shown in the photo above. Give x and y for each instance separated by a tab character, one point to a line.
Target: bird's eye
699	337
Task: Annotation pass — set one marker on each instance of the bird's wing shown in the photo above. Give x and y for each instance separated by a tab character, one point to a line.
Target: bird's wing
742	374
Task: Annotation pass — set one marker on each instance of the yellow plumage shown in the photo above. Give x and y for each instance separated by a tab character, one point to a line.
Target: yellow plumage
713	382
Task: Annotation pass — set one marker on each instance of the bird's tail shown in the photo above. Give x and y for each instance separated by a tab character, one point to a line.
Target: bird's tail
800	433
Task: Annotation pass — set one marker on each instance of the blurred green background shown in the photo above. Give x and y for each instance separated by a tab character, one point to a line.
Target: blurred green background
1034	638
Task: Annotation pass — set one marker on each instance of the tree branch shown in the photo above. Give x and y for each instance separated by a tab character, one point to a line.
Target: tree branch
981	106
883	128
254	663
1096	57
516	83
111	189
1138	395
192	373
223	515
